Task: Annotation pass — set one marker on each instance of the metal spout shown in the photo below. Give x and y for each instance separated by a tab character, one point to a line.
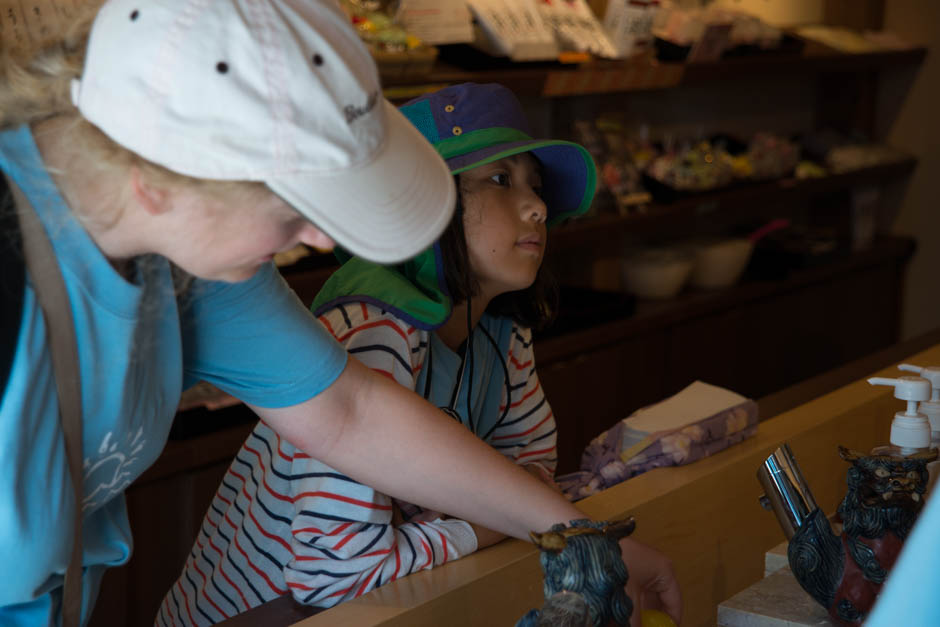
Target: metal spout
786	492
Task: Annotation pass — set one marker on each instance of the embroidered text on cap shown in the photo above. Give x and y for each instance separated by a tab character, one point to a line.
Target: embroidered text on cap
353	112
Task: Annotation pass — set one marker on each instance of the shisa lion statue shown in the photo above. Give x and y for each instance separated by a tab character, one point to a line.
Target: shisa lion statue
585	577
844	573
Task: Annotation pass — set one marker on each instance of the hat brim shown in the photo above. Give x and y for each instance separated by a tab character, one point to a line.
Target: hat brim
387	210
569	177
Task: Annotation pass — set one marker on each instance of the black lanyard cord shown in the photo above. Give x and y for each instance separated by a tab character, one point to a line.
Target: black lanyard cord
451	409
469	353
427	381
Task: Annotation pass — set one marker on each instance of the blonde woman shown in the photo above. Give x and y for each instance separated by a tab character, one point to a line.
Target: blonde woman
198	139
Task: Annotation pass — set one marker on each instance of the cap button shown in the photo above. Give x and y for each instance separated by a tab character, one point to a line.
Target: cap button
457	130
449	108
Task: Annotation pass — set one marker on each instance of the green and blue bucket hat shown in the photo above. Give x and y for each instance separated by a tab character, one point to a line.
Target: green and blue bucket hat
469	125
472	124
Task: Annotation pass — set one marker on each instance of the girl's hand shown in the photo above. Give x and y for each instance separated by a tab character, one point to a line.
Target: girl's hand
486	537
652	583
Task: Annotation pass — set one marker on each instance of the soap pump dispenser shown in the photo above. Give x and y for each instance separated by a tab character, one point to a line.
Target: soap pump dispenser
910	429
930	407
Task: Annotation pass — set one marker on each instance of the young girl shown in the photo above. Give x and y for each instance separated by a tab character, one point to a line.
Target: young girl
203	137
284	521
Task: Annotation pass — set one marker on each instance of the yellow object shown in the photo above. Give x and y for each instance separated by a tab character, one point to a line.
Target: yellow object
655	618
742	166
570	56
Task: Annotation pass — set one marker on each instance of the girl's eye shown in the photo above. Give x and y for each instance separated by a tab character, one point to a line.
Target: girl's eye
500	179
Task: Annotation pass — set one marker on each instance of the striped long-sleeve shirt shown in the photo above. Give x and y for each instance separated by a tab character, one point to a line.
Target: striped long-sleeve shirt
284	522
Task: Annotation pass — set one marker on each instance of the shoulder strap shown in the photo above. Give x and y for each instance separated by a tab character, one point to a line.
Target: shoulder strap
12	282
54	301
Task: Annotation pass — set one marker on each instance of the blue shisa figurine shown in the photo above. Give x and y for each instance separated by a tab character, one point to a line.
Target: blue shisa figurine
584	575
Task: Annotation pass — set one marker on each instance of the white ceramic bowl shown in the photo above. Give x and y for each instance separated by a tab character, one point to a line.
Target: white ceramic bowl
720	263
657	273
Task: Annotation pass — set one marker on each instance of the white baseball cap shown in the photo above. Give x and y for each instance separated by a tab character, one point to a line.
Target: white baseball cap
278	91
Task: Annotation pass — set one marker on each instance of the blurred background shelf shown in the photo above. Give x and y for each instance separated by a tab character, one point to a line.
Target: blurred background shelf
601	76
750	201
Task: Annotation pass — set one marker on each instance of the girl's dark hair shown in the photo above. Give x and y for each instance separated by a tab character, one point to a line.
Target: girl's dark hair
534	307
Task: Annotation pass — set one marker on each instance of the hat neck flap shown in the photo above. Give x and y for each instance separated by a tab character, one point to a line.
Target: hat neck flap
415	291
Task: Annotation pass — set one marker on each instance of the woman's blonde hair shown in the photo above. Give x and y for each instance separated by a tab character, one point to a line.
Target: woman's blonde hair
35	85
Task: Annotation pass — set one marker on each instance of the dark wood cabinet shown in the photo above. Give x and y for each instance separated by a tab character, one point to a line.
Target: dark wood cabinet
755	338
589	392
762	347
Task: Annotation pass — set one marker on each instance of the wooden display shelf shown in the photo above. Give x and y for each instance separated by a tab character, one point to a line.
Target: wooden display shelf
817	59
740	200
652	316
604	77
309	274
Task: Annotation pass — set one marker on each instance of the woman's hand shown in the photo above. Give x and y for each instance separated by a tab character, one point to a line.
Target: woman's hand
652	583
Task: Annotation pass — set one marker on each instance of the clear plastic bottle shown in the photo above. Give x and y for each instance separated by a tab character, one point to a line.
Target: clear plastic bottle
930	408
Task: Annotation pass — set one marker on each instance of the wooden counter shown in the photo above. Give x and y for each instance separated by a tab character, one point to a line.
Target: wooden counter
704	516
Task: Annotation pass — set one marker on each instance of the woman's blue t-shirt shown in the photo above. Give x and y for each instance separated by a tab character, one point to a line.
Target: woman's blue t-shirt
139	346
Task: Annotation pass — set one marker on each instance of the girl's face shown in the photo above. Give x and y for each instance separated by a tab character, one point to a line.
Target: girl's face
504	223
229	239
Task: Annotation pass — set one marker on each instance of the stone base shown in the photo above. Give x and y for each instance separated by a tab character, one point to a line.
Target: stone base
776	558
775	601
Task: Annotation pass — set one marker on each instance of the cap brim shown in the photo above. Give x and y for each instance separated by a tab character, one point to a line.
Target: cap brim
387	210
569	176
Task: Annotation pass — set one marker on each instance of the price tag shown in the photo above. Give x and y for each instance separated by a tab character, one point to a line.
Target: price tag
436	21
25	23
630	24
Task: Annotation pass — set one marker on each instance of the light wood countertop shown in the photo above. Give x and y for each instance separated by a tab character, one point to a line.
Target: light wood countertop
704	516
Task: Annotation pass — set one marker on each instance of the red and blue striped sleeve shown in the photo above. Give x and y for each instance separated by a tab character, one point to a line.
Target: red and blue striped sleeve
379	340
343	542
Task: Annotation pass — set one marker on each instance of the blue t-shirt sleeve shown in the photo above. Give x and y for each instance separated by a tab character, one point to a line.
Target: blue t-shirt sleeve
909	595
257	341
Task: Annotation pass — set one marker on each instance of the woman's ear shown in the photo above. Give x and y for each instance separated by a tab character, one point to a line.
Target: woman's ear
154	200
311	235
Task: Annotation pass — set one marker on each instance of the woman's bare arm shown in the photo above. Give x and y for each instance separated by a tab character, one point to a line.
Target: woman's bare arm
379	433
